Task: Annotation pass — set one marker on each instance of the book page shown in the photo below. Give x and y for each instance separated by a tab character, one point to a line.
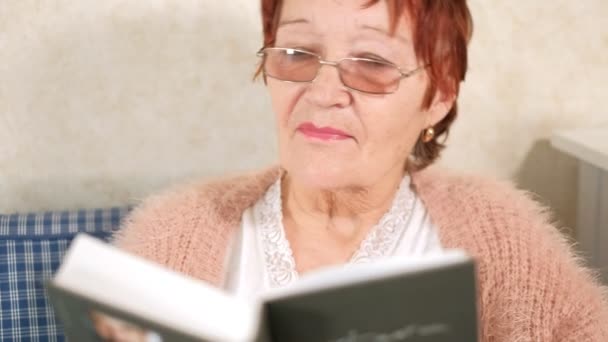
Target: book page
99	271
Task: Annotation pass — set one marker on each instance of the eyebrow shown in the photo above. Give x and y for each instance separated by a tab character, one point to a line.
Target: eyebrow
293	21
386	33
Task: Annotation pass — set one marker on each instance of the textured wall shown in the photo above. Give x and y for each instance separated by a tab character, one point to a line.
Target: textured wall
536	66
103	102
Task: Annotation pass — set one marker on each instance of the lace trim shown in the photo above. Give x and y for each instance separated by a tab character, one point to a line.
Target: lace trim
278	256
380	242
383	238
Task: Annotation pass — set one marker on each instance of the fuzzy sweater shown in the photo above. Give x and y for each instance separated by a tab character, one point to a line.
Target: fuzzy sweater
531	287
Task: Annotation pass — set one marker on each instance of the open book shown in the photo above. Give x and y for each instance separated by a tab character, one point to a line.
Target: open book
104	294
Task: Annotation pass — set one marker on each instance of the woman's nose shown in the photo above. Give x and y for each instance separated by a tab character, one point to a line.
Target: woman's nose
327	89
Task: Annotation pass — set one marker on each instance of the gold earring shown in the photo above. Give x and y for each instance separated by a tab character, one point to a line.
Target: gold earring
428	134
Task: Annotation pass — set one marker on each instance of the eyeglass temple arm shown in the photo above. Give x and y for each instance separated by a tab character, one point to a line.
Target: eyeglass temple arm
412	72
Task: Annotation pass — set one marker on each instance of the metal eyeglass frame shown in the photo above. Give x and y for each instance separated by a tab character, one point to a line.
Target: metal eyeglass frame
404	74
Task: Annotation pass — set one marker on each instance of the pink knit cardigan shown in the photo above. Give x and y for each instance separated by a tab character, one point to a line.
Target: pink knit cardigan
531	287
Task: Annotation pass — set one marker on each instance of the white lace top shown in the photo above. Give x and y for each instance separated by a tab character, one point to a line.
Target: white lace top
261	258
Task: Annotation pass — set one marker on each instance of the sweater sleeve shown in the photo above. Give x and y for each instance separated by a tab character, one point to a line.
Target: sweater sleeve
189	228
543	288
579	301
532	287
159	228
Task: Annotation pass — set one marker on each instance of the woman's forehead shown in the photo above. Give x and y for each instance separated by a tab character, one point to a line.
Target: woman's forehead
322	17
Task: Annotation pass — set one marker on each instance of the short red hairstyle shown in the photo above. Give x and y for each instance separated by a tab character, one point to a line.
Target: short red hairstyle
441	31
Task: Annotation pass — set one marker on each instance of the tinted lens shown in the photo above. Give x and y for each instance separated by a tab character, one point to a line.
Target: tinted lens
370	76
290	65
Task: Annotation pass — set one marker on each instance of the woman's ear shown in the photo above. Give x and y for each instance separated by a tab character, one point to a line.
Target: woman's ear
439	108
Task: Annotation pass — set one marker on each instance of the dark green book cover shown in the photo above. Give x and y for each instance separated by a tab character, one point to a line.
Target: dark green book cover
431	306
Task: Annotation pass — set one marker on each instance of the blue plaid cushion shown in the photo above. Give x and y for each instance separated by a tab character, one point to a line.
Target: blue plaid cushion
31	248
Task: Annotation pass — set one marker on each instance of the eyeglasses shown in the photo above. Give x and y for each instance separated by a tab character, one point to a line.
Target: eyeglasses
360	74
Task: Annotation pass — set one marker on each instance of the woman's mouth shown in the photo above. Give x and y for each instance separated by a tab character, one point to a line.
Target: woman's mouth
322	133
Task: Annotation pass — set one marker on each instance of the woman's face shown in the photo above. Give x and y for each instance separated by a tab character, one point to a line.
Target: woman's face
378	132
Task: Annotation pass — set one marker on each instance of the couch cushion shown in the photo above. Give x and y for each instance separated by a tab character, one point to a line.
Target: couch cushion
31	249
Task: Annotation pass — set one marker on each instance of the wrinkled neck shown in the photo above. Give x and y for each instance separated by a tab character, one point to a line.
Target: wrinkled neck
348	212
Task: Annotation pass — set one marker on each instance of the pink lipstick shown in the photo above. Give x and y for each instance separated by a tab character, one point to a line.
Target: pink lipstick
322	133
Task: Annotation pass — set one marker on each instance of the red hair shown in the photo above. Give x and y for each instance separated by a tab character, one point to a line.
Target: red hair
441	30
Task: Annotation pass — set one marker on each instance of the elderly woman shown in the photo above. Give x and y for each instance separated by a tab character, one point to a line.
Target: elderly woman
363	92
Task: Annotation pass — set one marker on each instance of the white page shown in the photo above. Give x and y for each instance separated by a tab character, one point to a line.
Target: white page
98	270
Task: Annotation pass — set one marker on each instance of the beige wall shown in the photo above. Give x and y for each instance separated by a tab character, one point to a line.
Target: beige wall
103	102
